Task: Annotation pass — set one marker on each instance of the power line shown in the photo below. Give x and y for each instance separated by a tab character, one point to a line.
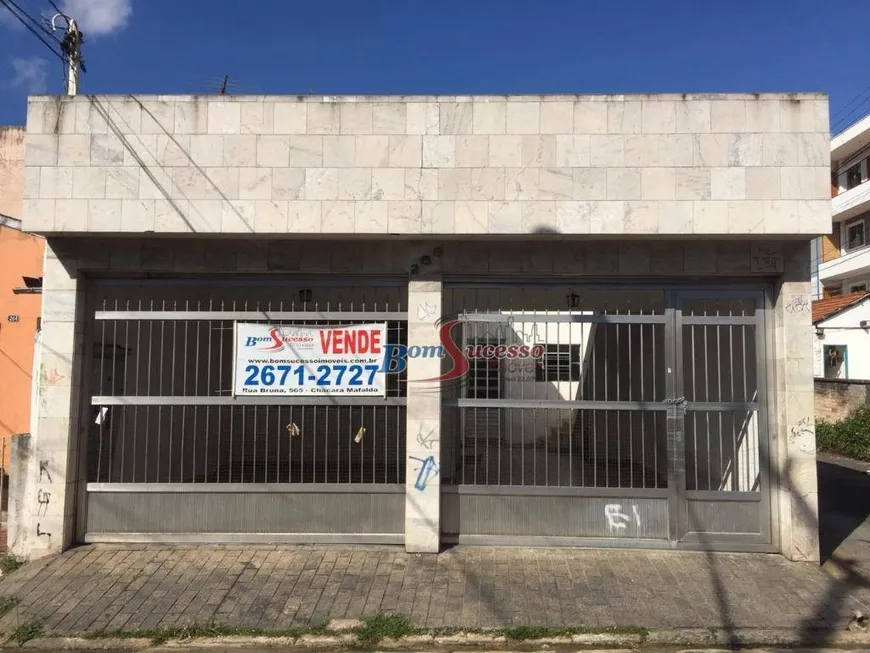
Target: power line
45	30
850	102
35	33
848	117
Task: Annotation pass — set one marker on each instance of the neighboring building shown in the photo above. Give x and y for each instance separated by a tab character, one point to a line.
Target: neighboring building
841	343
841	259
21	256
620	281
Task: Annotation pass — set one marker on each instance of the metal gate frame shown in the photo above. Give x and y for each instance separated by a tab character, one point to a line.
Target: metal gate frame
678	497
387	499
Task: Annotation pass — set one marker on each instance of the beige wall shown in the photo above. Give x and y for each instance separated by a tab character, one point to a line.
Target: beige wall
612	164
11	171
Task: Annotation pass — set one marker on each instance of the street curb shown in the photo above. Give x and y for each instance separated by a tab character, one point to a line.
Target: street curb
689	637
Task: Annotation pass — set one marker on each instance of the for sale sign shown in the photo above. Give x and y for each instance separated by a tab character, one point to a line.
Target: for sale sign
292	360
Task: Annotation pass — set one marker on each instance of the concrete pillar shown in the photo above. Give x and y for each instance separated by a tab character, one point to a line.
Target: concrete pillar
423	440
21	496
44	524
793	437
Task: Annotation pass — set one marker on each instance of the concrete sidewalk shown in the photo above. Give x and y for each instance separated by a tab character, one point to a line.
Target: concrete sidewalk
123	587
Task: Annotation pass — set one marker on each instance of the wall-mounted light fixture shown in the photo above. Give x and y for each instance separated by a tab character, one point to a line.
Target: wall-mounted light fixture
574	300
305	295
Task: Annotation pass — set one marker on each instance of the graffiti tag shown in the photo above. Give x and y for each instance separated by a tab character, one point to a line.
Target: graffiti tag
426	472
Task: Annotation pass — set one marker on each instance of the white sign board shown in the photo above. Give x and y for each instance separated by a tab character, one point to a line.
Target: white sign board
292	360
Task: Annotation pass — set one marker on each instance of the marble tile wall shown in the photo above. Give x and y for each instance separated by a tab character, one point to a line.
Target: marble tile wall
646	164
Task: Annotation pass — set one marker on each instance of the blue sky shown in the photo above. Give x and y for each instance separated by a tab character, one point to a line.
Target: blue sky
452	47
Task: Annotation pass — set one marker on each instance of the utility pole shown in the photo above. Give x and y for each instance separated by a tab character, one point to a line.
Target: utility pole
71	46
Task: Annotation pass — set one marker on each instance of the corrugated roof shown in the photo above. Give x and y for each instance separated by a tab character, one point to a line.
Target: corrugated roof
825	308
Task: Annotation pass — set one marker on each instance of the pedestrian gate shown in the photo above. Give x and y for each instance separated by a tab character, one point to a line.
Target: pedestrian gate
639	418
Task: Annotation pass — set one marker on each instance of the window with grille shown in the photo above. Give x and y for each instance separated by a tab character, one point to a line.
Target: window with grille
560	363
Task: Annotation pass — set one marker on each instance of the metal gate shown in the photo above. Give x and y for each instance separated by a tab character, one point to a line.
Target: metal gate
606	415
172	455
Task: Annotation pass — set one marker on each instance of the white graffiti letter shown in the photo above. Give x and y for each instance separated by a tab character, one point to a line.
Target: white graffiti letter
615	517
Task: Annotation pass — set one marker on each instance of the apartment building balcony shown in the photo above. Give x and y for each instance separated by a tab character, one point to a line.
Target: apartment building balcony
850	203
851	140
851	264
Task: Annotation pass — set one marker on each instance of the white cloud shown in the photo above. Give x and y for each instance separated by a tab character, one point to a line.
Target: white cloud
30	75
99	17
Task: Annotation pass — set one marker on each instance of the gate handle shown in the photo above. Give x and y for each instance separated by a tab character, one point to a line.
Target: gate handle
676	401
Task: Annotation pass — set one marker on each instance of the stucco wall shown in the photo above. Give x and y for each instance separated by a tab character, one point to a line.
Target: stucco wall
641	164
845	329
21	255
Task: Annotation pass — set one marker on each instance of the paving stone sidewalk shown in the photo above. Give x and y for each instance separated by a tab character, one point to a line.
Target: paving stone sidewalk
124	587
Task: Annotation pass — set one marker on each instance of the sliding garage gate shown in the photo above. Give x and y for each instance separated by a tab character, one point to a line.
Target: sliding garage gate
172	455
638	418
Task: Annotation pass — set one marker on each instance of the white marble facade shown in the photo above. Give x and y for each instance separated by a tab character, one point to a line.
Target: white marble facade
598	165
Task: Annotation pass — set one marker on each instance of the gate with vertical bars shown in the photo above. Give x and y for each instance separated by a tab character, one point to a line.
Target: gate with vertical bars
639	420
172	455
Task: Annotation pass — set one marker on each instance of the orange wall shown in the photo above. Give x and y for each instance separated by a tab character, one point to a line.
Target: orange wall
20	255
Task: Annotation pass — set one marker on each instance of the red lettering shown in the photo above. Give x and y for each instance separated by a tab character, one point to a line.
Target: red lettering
537	351
524	351
376	342
488	351
500	351
350	342
512	351
325	338
338	342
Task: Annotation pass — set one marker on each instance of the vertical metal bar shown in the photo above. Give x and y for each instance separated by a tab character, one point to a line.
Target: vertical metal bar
290	437
731	397
123	474
102	392
115	351
707	398
696	397
675	420
208	386
746	396
633	463
185	362
172	391
595	412
653	346
719	361
160	392
220	415
148	390
196	393
618	412
643	414
606	412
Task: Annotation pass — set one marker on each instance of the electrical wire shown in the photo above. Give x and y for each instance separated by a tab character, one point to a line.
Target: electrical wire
850	102
59	55
858	110
42	27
